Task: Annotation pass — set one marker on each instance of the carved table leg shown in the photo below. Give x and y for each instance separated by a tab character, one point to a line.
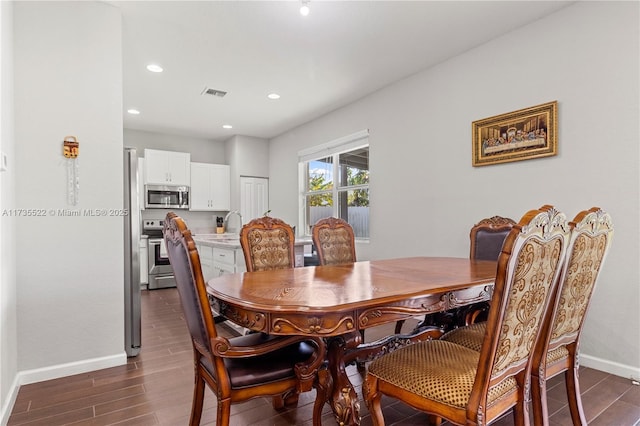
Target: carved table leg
343	397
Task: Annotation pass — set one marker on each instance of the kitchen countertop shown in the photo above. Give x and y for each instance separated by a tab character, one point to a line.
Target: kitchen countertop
232	241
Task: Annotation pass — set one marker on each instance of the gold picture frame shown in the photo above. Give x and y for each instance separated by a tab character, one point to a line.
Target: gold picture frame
519	135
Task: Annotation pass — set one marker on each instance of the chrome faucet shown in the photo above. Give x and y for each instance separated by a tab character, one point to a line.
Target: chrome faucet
226	218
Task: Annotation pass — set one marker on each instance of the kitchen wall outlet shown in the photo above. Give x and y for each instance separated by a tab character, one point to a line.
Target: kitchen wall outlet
3	162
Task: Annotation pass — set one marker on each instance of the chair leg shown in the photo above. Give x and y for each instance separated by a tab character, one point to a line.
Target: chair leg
288	399
521	413
539	400
277	402
224	412
198	399
573	395
373	398
434	420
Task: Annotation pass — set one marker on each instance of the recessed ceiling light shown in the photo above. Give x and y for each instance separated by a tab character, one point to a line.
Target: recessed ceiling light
273	96
304	9
154	68
133	111
227	126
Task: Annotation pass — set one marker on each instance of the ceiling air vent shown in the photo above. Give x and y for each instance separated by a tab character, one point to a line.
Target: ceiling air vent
213	92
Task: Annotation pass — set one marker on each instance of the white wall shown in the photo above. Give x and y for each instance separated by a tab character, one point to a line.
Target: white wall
202	150
8	298
426	195
246	156
68	81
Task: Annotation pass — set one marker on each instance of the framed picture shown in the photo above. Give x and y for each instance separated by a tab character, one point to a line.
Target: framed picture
514	136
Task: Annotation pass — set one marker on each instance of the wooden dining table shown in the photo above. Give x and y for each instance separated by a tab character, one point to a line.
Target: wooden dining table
339	301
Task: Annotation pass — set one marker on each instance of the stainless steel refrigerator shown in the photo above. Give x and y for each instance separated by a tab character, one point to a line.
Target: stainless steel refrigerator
132	231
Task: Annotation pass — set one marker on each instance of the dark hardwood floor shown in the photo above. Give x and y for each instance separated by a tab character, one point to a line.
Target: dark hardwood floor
155	388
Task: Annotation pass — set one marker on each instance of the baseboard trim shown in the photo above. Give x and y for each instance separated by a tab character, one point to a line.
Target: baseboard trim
54	372
7	407
617	369
69	369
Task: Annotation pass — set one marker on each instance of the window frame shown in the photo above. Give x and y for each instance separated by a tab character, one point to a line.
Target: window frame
332	150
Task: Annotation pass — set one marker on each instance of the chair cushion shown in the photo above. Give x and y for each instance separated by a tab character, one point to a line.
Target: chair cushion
470	336
277	365
558	354
436	370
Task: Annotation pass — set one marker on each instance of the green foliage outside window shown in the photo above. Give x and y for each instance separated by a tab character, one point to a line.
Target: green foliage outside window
356	197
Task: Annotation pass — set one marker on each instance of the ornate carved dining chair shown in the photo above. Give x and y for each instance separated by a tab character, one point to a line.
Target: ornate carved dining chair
485	242
487	236
334	240
464	386
557	351
267	243
240	368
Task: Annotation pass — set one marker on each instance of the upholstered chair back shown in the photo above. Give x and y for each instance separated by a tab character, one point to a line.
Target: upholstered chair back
590	242
334	239
557	349
267	243
487	236
185	261
528	271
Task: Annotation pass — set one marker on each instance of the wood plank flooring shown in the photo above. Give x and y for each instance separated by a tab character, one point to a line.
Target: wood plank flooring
155	388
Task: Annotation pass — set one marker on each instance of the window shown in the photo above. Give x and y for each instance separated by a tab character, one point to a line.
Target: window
334	181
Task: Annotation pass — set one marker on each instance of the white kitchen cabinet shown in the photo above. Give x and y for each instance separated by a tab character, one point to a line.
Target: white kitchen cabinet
227	261
167	167
206	261
210	187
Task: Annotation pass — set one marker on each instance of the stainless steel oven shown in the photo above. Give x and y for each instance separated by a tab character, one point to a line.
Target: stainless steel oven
160	271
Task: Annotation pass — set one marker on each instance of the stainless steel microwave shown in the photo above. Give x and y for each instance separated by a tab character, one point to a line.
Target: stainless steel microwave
166	197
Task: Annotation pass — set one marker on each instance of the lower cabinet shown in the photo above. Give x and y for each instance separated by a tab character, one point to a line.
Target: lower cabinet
206	261
216	261
225	262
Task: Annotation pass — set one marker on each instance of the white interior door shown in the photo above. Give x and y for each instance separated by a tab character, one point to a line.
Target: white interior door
254	197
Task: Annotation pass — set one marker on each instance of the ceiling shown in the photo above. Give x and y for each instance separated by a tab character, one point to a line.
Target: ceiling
340	52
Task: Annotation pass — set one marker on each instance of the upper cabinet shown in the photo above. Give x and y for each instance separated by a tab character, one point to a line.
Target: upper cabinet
210	187
167	167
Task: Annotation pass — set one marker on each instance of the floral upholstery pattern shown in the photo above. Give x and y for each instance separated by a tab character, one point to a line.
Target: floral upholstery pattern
269	249
334	239
267	244
580	280
537	268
